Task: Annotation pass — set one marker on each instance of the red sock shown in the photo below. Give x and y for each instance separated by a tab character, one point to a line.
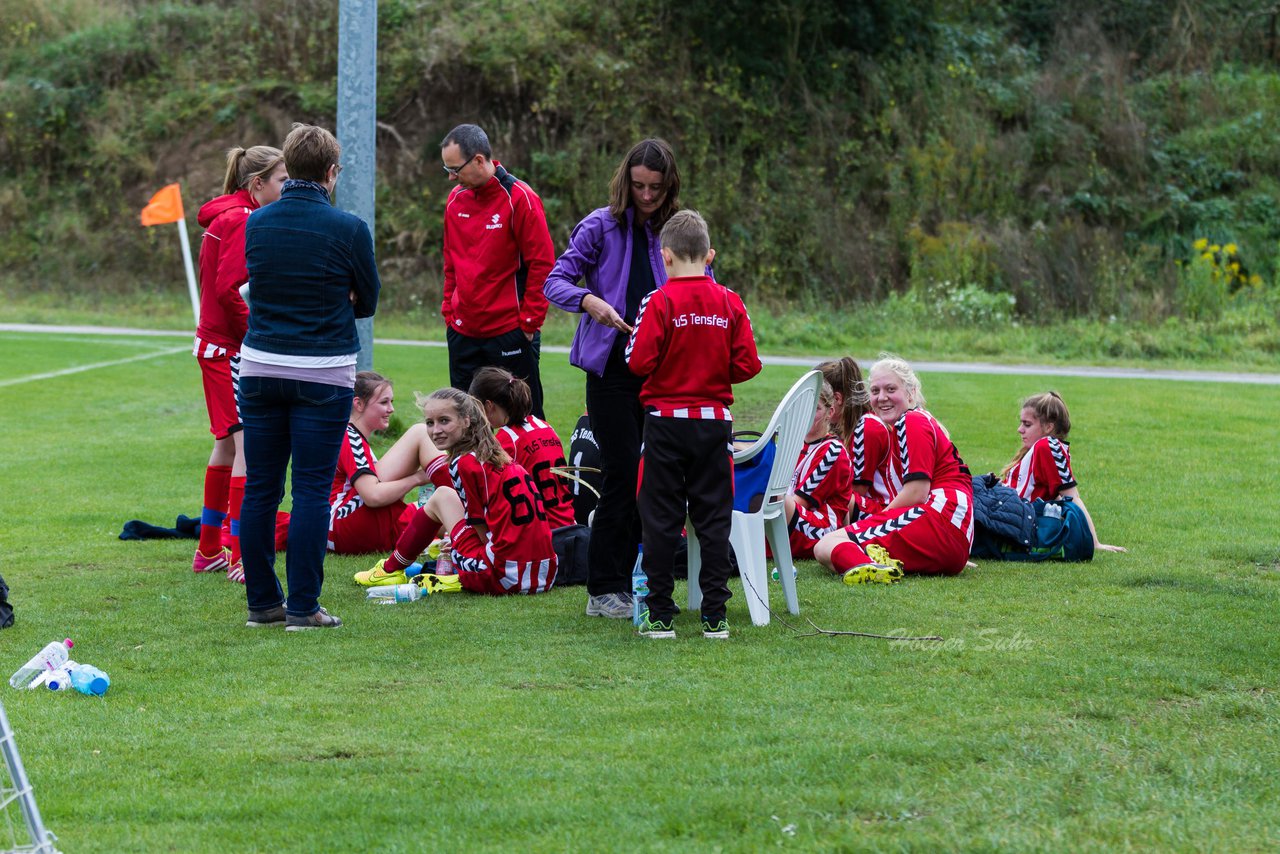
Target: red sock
846	556
235	497
217	480
422	529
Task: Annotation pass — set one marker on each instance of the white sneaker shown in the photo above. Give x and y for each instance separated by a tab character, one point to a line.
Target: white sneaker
614	605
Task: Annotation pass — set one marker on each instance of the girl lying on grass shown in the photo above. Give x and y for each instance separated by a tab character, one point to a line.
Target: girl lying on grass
492	512
1042	467
928	526
367	513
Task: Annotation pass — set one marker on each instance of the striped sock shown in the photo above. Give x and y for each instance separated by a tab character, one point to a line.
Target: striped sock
217	483
422	529
235	497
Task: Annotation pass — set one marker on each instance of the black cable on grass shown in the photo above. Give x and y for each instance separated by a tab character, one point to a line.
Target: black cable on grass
818	630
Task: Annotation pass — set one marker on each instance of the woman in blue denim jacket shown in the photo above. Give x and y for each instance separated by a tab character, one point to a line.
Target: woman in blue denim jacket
612	261
311	274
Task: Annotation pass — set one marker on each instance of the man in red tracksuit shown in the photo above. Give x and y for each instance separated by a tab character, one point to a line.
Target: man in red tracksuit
692	340
497	254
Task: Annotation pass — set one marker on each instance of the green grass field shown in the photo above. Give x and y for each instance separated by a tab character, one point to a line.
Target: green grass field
1130	703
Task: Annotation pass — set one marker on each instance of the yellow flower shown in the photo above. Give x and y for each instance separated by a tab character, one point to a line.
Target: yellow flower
1230	248
1200	245
1207	256
1234	266
1215	248
1255	279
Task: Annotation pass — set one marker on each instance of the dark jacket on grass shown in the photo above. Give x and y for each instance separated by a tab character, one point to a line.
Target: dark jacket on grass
999	516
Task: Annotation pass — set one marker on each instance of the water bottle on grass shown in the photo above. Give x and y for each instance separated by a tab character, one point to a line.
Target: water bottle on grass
395	594
53	656
639	589
88	679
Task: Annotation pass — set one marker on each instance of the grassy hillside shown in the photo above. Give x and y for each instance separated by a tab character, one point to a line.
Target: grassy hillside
972	163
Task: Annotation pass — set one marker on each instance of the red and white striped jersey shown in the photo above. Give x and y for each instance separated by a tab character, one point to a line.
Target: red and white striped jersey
923	450
824	477
535	446
1044	471
870	453
506	501
356	458
692	342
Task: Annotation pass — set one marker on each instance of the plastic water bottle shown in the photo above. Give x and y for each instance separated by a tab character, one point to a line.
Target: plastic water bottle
444	563
57	680
639	588
53	656
88	679
425	492
1053	511
393	594
795	573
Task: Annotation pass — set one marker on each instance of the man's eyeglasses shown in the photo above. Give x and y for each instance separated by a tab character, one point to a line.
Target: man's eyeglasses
454	170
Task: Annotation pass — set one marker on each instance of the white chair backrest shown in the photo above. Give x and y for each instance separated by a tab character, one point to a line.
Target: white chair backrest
790	421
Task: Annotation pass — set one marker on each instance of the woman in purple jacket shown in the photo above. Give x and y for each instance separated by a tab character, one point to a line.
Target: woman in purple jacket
612	261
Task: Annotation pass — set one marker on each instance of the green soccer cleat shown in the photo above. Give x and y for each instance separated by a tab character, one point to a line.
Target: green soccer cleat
872	573
377	577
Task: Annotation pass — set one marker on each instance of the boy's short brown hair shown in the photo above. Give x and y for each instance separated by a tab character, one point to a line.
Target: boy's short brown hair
309	151
686	235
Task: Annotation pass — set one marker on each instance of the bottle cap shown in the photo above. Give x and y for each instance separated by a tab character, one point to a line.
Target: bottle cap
69	642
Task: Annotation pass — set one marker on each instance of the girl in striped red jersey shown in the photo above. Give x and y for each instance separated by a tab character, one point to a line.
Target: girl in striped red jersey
818	500
864	435
530	441
928	525
366	501
1042	468
492	511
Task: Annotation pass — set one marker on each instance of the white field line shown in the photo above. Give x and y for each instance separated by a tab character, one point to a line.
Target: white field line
30	378
796	361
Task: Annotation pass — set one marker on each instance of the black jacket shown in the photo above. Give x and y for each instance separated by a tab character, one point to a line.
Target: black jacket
999	516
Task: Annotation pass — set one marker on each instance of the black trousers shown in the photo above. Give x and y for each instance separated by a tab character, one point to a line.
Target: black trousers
686	463
617	419
510	350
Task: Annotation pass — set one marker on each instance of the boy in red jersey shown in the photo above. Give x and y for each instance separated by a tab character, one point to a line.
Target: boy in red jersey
693	341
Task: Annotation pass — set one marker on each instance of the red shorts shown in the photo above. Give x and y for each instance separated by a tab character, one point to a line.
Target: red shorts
922	538
807	528
370	529
221	375
282	531
480	571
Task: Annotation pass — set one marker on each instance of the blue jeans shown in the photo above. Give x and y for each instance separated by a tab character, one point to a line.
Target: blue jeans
286	418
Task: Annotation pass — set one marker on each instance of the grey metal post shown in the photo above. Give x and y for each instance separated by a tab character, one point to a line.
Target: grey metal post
357	118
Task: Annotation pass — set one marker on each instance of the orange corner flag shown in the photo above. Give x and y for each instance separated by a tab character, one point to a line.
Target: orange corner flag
165	206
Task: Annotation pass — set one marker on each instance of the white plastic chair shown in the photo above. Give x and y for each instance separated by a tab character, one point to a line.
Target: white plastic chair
790	421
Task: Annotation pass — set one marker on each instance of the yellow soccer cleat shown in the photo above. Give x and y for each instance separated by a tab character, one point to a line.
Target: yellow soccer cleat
880	555
433	584
872	573
376	577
